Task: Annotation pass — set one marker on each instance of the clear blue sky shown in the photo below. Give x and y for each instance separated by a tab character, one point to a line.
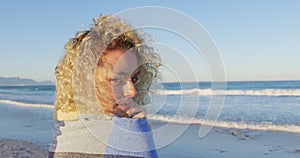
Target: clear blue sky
257	40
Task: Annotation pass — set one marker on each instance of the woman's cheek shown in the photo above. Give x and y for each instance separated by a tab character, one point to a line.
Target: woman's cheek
117	91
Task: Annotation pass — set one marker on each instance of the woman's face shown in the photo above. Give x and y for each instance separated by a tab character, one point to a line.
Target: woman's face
116	76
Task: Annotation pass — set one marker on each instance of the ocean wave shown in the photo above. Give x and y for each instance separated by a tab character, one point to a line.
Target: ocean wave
209	92
267	126
27	104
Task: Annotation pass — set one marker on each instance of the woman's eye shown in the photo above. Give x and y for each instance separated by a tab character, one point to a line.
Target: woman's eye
135	79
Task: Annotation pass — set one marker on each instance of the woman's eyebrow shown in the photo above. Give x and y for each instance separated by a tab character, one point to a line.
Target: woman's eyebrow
122	73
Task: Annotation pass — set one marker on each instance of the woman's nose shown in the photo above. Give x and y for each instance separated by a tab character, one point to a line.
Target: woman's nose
129	89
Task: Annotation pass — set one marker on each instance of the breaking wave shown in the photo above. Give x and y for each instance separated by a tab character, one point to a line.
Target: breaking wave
27	104
209	92
264	126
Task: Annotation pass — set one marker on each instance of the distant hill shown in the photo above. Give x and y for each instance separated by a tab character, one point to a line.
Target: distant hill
22	81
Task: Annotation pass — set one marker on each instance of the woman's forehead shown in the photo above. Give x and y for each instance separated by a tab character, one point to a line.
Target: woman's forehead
123	62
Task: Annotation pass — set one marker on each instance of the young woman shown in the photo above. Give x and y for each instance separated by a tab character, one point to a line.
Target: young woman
101	86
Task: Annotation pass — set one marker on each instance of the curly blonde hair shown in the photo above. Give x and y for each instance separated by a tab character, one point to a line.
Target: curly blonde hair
75	85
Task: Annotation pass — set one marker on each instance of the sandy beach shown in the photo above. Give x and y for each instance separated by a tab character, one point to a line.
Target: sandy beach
229	143
225	143
27	132
22	149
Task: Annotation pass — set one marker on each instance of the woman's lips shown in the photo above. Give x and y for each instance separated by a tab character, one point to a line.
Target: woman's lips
124	106
131	111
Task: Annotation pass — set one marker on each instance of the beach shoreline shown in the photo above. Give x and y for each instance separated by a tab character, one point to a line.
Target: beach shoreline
26	131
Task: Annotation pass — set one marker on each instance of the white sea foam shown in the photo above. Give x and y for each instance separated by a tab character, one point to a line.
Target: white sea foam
182	120
27	104
209	92
228	124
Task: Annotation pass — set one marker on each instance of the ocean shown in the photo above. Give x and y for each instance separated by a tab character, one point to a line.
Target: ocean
256	105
